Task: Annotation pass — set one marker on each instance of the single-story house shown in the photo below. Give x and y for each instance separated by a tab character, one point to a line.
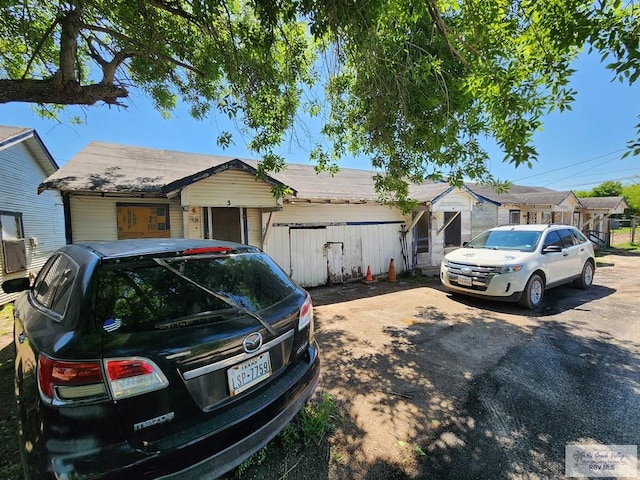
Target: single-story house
326	229
595	213
31	225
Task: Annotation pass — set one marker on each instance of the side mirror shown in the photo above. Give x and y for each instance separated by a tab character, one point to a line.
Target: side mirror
16	285
552	249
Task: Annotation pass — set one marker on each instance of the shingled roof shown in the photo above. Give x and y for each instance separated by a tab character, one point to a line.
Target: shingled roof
604	203
10	136
111	168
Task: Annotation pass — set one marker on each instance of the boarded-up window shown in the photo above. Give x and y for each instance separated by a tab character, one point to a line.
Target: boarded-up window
453	230
14	251
143	221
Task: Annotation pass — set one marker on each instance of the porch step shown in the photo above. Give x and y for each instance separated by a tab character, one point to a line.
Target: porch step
428	270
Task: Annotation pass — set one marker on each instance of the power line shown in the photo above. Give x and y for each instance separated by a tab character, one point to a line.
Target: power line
572	165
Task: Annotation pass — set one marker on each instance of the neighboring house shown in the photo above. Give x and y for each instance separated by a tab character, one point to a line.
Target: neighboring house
442	222
595	213
31	225
524	204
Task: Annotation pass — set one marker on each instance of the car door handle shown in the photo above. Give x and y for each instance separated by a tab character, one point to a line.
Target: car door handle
21	337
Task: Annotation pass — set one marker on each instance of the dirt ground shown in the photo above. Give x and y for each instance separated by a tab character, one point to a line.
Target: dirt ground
416	372
440	387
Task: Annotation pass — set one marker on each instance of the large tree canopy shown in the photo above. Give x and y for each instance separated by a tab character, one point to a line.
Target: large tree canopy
413	84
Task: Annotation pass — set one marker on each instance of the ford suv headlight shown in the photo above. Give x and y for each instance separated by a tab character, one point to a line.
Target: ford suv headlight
510	268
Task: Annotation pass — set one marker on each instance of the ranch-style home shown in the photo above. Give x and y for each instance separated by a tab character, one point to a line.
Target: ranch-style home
325	230
31	225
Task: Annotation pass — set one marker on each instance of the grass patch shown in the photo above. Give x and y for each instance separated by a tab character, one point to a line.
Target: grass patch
6	319
299	439
9	454
312	424
628	247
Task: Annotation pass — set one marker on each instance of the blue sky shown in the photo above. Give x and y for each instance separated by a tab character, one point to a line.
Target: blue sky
578	149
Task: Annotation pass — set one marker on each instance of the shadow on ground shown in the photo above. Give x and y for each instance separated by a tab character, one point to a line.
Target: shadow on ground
9	453
471	398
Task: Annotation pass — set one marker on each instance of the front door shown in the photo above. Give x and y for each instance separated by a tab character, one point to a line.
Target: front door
225	224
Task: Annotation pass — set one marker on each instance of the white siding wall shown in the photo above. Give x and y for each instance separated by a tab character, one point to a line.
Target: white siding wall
454	201
484	216
195	228
94	218
254	227
42	215
369	236
504	217
231	188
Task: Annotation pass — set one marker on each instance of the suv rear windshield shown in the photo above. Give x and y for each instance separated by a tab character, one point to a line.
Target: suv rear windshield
145	294
522	240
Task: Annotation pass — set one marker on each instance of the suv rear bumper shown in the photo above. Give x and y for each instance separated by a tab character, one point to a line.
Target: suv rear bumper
214	451
234	455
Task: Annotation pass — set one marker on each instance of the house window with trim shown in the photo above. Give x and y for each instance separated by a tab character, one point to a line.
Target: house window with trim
14	249
453	229
137	220
514	217
546	217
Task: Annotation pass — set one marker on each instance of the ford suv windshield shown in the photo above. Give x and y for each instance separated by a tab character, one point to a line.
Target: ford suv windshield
506	240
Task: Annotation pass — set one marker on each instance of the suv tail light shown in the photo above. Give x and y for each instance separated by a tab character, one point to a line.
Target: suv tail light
63	382
129	377
306	313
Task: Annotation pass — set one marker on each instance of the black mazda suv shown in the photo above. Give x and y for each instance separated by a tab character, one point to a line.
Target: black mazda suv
157	358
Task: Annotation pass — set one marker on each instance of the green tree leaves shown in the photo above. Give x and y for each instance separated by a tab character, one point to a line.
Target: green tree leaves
415	85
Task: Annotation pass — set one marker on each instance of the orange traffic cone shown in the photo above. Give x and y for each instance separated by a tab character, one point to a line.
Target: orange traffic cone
369	277
392	272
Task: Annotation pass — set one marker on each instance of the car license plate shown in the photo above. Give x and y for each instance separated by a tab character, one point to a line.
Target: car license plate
246	374
464	281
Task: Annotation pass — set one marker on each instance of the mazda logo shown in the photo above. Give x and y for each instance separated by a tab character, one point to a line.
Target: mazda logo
252	342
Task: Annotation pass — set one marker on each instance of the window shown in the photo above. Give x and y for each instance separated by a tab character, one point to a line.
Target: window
14	250
143	295
568	238
553	238
54	284
514	217
137	220
546	217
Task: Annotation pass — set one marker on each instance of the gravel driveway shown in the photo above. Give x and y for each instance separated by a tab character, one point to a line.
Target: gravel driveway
444	387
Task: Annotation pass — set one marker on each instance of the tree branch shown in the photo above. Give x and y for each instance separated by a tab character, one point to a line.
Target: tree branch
51	91
38	48
442	27
140	52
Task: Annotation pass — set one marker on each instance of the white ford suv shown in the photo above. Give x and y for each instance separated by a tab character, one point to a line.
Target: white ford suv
518	263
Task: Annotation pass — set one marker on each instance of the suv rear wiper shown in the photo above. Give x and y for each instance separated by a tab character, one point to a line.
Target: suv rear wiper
196	319
241	309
